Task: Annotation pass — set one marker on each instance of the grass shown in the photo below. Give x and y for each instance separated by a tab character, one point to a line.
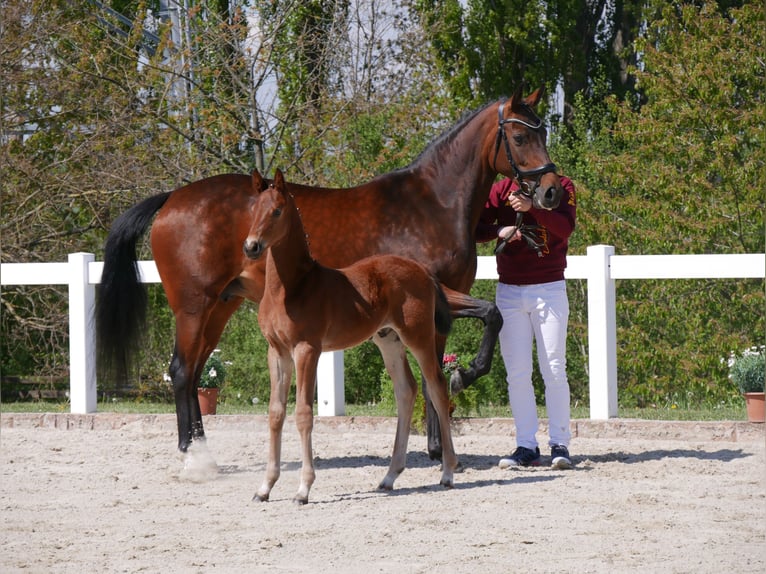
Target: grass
728	412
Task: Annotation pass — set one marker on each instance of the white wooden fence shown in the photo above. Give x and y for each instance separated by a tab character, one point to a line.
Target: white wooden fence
600	267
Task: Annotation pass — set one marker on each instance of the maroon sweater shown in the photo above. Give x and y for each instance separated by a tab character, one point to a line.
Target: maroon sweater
519	264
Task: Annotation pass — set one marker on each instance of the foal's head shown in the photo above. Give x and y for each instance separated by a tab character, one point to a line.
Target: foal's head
271	214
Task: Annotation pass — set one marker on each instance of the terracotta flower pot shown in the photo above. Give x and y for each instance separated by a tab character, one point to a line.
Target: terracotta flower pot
755	407
208	400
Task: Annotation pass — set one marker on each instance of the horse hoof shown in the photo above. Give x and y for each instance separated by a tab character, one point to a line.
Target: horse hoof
458	467
385	487
448	484
456	381
435	452
300	501
260	497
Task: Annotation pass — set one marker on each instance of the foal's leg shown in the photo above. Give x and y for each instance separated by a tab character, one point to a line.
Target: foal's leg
437	390
405	390
433	432
462	306
306	359
280	373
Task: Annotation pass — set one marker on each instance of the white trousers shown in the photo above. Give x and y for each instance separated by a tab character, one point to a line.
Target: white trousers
540	311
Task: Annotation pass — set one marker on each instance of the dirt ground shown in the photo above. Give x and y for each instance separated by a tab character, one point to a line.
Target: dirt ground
108	493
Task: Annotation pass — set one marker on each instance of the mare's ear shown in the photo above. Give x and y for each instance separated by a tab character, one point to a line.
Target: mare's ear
532	99
517	96
258	183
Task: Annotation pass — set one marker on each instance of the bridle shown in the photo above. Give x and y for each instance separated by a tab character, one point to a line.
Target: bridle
527	189
520	174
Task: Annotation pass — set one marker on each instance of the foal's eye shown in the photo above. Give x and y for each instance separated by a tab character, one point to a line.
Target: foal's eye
277	212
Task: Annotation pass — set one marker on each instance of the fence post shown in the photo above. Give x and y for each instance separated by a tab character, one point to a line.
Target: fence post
602	333
331	396
82	337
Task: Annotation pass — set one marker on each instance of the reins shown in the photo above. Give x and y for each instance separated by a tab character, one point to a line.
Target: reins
528	233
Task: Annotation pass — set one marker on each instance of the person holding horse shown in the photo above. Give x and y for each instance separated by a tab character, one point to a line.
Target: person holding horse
532	245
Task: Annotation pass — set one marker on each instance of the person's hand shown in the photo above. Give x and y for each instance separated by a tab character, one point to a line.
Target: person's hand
520	202
509	233
506	234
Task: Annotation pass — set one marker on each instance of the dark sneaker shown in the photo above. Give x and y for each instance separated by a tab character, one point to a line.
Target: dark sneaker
560	457
521	457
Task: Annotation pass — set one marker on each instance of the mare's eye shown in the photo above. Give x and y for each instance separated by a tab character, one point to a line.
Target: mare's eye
518	139
277	212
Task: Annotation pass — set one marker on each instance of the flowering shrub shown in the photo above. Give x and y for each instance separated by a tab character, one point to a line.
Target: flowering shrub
450	363
214	372
748	369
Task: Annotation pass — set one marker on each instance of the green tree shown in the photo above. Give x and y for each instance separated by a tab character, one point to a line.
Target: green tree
679	170
97	112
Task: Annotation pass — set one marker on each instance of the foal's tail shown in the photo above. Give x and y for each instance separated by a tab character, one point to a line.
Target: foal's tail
442	314
122	299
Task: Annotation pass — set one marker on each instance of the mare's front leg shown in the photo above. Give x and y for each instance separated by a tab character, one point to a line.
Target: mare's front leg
306	359
280	373
405	390
462	305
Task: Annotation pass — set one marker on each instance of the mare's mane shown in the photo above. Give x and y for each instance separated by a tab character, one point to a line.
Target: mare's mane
447	137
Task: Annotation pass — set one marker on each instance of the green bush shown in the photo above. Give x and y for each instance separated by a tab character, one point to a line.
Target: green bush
246	352
214	372
748	369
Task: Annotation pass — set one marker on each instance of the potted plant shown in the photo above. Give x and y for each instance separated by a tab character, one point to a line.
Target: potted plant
213	376
748	371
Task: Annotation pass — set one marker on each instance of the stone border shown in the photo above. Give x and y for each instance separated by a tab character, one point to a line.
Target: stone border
629	429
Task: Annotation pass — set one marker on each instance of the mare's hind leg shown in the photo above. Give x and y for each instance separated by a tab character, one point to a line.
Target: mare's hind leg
405	390
280	373
197	334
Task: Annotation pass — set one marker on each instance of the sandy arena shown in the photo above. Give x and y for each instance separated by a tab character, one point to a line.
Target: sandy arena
107	493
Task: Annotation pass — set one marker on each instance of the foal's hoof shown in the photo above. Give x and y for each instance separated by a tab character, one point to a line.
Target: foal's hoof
458	467
300	501
447	483
260	497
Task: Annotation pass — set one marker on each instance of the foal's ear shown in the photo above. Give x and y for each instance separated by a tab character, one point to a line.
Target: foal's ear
279	180
258	182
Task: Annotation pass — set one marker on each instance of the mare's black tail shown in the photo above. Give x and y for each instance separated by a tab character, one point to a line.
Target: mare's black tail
121	300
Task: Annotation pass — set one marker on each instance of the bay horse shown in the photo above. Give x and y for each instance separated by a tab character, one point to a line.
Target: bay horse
427	211
308	308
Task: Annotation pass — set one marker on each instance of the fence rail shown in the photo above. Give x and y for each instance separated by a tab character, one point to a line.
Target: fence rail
600	267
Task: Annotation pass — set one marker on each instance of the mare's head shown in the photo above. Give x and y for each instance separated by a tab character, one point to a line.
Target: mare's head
520	150
271	214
